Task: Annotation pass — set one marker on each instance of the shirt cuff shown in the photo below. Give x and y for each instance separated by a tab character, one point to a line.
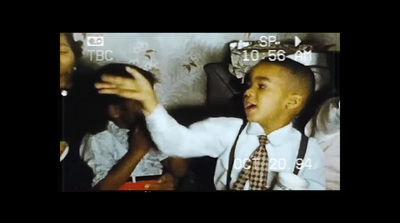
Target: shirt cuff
156	116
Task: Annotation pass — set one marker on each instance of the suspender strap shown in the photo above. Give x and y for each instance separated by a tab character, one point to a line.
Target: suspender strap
301	154
232	156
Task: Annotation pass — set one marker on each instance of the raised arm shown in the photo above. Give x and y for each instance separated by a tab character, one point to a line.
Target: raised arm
204	138
209	137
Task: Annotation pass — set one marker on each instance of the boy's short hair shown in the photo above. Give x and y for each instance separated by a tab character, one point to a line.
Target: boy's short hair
301	78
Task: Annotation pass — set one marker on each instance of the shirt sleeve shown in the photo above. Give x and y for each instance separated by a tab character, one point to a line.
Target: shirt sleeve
93	152
204	138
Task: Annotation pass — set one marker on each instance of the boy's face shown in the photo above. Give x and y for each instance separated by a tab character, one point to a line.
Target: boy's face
265	100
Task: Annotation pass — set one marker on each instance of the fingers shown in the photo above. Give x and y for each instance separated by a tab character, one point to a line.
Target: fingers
166	182
122	93
137	88
122	81
167	177
138	76
160	186
141	81
114	79
103	85
153	186
116	82
110	82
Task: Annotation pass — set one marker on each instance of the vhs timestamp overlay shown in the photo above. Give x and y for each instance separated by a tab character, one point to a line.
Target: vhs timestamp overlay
274	164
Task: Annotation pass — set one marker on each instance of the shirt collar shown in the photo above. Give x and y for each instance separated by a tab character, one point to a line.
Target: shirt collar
120	133
276	137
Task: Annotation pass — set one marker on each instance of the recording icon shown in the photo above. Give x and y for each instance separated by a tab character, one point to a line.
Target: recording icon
297	41
95	40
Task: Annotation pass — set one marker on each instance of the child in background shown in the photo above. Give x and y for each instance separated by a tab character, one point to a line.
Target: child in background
75	102
120	149
325	128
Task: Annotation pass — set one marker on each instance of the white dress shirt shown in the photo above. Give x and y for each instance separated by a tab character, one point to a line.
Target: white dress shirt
325	128
103	150
214	137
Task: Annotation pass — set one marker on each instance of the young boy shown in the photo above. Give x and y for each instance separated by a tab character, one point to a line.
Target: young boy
120	149
278	91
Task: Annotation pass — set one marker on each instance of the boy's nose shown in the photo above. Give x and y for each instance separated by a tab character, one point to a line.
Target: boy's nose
249	92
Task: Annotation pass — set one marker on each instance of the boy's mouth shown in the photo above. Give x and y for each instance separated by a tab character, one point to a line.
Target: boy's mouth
249	106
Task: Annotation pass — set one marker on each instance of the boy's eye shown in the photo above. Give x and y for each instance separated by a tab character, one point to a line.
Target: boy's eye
262	86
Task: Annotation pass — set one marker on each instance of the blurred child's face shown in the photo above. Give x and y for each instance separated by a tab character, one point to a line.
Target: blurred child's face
264	100
130	110
67	61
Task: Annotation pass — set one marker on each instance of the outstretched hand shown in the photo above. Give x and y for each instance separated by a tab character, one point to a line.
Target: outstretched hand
138	88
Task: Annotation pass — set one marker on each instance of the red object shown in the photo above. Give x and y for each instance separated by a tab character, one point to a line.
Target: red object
138	185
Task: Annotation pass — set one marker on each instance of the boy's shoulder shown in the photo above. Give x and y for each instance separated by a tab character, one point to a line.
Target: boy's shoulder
312	142
225	121
314	147
226	125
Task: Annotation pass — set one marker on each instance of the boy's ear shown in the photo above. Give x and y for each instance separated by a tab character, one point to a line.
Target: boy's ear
113	111
294	101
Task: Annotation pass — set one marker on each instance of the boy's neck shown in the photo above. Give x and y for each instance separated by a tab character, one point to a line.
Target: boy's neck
272	126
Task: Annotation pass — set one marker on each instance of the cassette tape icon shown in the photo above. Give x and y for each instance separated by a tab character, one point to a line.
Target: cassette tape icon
95	40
